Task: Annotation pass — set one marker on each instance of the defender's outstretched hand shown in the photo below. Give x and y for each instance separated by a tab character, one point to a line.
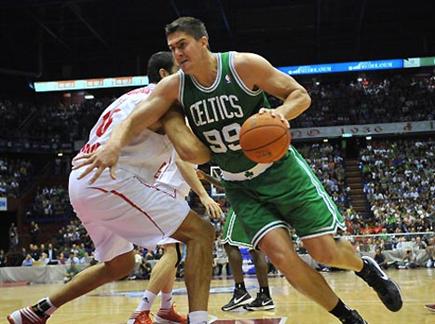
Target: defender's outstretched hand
105	156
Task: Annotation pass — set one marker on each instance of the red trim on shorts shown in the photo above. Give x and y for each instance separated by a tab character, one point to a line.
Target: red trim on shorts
170	194
126	199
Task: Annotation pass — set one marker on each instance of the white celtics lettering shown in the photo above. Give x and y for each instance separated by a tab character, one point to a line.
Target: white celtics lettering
215	109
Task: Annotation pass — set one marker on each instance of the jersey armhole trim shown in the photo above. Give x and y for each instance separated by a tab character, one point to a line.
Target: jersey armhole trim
239	80
181	88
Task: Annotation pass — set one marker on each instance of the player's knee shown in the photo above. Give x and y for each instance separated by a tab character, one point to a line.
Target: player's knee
258	258
280	259
323	256
232	252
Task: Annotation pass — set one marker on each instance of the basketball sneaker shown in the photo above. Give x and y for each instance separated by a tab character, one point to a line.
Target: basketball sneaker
170	315
430	307
262	302
142	317
388	291
240	297
353	318
26	316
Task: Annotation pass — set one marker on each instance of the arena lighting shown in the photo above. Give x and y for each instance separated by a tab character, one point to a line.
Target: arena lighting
347	135
60	154
359	79
325	140
89	97
368	138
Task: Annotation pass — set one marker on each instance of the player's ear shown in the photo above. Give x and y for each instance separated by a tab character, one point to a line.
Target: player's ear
163	73
204	41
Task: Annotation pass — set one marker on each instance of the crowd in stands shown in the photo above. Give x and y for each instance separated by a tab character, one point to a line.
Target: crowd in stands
370	100
398	98
327	162
54	122
400	183
14	174
49	202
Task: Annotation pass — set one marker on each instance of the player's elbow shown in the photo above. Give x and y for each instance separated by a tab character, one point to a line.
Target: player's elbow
305	99
195	155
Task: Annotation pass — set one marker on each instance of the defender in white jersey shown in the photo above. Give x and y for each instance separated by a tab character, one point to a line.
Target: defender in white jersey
132	208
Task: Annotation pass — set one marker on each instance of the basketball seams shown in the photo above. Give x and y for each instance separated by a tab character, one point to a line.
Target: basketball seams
264	145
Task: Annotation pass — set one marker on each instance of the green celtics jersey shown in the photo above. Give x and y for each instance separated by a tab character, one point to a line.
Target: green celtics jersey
216	113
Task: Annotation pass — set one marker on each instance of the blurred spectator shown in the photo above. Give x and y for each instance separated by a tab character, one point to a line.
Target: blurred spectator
28	261
34	251
2	258
51	253
408	261
380	259
13	236
34	232
44	258
430	250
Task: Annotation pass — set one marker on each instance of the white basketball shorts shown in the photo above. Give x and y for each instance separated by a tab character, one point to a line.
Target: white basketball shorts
117	213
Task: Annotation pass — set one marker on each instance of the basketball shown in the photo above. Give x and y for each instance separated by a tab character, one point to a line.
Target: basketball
264	138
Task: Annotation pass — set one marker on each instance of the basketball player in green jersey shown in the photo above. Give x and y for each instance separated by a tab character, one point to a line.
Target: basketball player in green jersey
218	92
234	237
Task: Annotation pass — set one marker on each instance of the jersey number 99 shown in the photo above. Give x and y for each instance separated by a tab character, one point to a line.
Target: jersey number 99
227	138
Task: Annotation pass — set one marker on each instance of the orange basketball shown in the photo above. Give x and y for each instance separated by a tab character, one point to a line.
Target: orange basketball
264	138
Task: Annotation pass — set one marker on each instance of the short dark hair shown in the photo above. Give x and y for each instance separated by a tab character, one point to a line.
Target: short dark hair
159	60
189	25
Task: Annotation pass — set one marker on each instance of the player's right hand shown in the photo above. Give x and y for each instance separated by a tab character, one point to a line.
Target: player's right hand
106	156
212	207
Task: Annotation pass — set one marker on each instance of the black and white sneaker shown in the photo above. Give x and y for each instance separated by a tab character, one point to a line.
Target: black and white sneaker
262	302
240	298
353	318
387	290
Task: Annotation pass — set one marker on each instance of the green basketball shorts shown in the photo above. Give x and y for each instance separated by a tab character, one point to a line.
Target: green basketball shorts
233	232
287	194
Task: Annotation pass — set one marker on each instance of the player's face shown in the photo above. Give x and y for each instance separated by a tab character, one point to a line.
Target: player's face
187	51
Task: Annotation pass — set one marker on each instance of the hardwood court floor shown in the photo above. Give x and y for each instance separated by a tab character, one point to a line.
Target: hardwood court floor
114	302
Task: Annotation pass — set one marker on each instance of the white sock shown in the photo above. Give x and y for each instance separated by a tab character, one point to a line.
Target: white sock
146	302
198	317
166	301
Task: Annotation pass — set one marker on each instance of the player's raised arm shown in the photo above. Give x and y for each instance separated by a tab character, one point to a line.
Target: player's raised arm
256	72
144	115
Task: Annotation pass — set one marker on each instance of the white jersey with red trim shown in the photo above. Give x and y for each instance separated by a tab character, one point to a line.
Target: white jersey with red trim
148	153
171	176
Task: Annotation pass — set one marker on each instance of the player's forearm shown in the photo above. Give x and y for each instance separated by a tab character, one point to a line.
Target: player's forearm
189	174
123	134
187	145
215	182
296	103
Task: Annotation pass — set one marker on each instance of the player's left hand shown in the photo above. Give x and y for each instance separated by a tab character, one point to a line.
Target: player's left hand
276	114
212	207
